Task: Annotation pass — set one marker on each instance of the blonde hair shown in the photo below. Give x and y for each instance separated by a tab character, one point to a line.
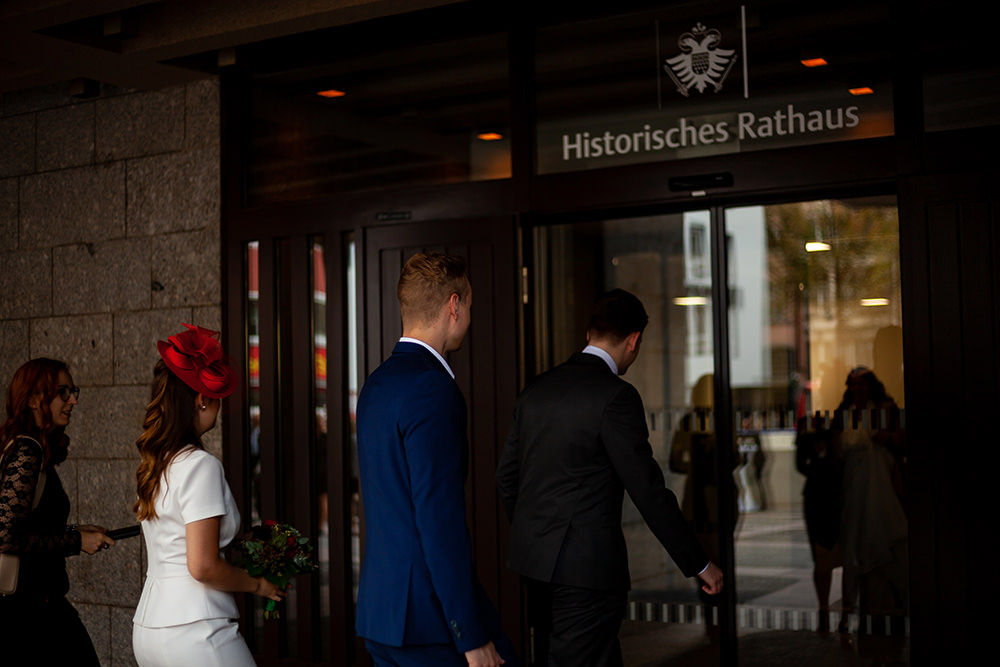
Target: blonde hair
427	282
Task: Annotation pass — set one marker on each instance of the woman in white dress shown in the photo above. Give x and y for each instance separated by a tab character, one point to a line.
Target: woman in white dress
186	614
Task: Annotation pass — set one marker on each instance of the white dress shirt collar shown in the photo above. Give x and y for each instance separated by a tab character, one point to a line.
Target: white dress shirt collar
436	354
603	354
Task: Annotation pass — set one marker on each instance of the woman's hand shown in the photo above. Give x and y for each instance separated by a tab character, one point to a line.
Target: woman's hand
266	589
93	539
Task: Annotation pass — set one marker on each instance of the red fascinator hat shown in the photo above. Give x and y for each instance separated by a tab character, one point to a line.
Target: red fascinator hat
195	356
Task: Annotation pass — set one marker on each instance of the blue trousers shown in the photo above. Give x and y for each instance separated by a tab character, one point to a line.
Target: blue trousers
434	655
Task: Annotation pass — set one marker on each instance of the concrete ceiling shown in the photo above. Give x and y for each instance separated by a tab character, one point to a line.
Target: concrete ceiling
138	44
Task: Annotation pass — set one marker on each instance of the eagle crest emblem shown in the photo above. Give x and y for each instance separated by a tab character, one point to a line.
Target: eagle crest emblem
701	63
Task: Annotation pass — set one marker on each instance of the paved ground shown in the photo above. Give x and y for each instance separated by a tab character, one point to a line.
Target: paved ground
777	605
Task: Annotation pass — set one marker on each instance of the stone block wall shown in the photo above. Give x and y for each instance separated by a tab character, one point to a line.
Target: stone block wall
109	240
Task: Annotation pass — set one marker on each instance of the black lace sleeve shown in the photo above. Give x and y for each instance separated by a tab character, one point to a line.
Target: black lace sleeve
21	465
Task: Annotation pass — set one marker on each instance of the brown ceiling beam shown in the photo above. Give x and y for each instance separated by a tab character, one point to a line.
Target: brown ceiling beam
44	60
178	28
164	31
33	14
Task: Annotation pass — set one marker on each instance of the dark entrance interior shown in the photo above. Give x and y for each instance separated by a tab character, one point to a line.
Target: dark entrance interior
934	169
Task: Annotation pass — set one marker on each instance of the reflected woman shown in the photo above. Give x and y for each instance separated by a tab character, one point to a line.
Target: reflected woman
873	525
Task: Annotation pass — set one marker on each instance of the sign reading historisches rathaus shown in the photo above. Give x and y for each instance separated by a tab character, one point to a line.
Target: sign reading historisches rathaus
694	119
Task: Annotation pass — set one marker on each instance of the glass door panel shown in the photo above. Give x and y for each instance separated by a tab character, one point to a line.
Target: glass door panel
816	372
302	376
665	260
252	250
320	434
350	428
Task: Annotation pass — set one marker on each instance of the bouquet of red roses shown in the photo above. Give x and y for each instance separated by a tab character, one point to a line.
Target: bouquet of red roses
277	552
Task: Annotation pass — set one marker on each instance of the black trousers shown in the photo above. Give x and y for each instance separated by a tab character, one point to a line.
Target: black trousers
44	632
577	627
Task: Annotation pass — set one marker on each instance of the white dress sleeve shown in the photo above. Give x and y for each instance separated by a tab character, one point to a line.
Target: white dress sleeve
200	488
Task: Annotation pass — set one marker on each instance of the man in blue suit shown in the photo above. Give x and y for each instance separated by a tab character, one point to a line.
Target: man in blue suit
420	601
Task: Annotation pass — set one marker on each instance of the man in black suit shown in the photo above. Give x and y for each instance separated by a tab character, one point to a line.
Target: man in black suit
578	440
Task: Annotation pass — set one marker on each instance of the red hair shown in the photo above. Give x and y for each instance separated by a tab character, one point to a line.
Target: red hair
38	377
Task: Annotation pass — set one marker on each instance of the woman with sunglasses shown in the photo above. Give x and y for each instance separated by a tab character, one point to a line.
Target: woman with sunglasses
186	614
42	625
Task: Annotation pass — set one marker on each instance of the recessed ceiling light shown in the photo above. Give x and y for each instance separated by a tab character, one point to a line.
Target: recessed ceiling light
814	62
489	136
864	90
875	302
691	301
331	93
817	246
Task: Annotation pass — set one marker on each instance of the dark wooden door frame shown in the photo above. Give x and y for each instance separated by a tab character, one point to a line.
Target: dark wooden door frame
950	254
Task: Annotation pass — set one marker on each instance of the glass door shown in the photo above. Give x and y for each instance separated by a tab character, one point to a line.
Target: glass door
780	427
666	261
298	457
816	373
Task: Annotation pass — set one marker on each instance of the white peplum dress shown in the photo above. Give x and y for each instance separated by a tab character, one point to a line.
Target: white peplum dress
180	621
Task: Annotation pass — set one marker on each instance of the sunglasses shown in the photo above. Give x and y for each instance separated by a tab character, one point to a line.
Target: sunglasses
65	392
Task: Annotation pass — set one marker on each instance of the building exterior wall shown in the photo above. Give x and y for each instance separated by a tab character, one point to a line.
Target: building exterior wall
109	240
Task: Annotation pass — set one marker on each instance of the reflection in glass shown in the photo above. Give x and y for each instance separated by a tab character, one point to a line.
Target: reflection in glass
351	286
817	389
252	305
320	442
253	373
351	283
665	261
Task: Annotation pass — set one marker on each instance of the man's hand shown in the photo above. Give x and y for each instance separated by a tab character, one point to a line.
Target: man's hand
712	576
486	656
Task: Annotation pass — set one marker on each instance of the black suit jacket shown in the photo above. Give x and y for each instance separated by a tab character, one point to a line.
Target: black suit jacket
578	441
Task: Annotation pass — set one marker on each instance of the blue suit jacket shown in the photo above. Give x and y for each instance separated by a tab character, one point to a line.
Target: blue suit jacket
418	584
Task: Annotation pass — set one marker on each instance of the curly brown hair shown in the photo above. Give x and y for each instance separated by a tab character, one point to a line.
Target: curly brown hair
167	429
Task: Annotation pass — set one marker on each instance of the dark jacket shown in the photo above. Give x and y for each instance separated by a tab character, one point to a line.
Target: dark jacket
578	441
39	534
